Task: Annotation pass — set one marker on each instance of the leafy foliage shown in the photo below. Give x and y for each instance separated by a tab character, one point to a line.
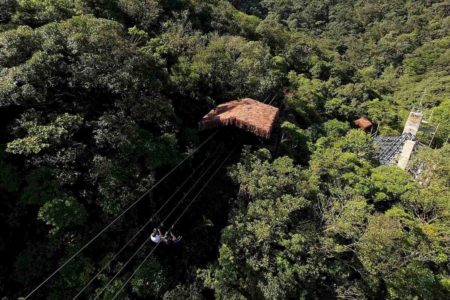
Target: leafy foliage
42	137
150	280
62	213
100	98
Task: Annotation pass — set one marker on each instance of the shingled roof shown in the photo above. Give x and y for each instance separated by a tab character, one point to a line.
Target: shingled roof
248	114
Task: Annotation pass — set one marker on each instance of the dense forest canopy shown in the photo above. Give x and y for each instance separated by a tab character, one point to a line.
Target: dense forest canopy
99	99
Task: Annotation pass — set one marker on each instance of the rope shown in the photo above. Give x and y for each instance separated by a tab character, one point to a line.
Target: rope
146	241
174	223
118	217
140	230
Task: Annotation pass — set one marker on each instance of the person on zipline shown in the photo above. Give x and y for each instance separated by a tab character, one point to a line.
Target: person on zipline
170	239
156	235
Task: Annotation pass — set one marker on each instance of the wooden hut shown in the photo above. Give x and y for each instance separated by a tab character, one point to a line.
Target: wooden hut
248	114
363	123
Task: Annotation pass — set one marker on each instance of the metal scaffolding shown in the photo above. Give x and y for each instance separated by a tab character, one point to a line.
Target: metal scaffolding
389	147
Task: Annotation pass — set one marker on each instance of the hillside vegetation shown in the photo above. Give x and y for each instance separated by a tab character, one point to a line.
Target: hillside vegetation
100	98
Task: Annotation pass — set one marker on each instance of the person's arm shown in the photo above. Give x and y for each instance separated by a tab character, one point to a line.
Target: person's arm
164	239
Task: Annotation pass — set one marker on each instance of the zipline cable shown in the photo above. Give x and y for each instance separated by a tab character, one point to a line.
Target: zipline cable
141	229
135	271
204	186
119	216
146	241
179	217
274	97
174	223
